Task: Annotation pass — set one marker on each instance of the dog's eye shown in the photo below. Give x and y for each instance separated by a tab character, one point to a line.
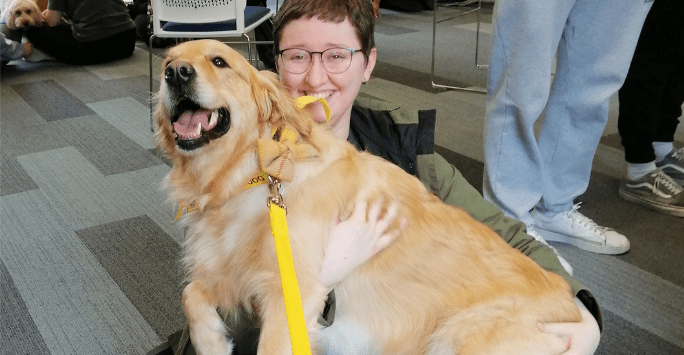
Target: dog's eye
28	12
220	62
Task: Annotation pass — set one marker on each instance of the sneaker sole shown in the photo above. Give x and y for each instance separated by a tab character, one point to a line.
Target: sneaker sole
594	248
663	208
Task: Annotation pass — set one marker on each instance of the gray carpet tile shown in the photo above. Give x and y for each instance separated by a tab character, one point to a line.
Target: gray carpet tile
633	294
143	195
390	30
88	87
107	148
161	156
18	333
409	77
76	305
621	337
128	116
144	261
86	197
19	72
51	101
16	140
13	178
136	87
15	112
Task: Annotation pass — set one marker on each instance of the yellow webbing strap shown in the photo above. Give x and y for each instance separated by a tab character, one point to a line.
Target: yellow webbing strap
293	300
302	101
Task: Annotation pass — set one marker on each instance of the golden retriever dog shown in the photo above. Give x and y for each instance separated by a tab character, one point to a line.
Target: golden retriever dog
447	285
20	14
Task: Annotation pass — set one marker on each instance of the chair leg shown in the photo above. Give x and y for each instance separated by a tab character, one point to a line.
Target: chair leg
434	43
149	100
477	38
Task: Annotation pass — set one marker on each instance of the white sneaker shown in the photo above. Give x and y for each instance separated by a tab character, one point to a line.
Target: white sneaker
566	265
575	228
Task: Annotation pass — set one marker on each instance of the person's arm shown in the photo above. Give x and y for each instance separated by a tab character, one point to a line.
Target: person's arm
54	12
12	50
352	242
455	190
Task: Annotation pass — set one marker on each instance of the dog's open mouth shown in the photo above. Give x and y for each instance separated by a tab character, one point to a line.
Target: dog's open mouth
196	126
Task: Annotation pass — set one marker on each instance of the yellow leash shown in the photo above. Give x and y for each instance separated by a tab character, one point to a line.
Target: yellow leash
293	299
294	311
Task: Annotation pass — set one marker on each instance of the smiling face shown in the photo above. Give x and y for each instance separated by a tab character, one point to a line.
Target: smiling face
339	90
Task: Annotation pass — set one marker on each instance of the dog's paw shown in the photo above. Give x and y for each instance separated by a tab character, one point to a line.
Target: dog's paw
211	339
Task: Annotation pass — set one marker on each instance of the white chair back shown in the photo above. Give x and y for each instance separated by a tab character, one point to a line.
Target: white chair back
198	12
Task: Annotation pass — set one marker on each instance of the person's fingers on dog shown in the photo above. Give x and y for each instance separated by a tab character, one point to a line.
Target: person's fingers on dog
390	215
387	237
385	240
374	212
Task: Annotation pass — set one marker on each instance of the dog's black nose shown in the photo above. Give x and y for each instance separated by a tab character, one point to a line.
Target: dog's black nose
179	74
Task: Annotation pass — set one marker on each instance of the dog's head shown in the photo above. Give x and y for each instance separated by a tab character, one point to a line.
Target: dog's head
213	106
22	14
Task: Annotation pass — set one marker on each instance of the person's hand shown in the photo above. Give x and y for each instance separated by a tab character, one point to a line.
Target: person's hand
27	48
582	338
353	241
52	17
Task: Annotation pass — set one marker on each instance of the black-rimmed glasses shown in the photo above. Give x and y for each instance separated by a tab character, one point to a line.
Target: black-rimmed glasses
334	60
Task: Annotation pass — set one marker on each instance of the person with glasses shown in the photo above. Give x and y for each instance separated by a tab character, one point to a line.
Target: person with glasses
326	49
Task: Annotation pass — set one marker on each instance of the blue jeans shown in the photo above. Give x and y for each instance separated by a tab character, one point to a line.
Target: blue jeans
595	40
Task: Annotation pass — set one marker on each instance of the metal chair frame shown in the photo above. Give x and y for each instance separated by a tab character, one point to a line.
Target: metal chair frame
477	9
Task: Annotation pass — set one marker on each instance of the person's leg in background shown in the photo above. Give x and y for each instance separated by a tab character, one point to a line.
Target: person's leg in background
524	41
650	106
57	41
264	32
593	59
117	46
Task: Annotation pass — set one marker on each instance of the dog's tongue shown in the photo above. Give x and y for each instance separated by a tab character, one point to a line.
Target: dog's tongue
187	123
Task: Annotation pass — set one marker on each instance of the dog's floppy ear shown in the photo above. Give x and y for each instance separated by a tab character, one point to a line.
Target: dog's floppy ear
276	105
9	16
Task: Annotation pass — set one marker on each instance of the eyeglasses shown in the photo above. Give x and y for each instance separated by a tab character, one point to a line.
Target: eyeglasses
334	60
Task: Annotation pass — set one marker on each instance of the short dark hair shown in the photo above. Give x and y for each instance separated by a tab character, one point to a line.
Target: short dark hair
359	12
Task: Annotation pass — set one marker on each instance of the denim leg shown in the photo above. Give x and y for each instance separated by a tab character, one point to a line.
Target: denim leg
524	41
594	55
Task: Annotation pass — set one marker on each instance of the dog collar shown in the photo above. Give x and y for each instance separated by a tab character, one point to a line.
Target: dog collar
276	155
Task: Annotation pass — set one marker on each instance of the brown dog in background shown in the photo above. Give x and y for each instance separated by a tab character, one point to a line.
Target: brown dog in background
447	285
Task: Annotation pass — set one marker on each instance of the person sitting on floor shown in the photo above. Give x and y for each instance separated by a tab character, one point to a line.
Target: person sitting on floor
97	31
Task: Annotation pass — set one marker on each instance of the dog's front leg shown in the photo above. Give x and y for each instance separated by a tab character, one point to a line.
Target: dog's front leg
207	330
275	335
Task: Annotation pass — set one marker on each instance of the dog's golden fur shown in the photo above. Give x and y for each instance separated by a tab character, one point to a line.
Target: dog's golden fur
21	14
447	285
